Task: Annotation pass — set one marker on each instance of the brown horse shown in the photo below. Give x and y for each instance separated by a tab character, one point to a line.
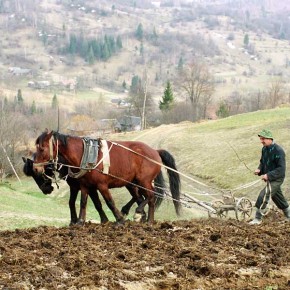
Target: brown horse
134	165
44	182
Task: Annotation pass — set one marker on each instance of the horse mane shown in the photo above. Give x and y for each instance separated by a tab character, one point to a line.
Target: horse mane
56	135
61	137
40	138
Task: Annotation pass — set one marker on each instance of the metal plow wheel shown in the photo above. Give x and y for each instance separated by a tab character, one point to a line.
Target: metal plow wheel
243	209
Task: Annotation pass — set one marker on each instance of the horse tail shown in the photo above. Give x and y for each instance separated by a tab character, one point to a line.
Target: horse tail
159	184
174	179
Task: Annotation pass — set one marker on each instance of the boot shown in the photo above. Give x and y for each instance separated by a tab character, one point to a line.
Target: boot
258	218
286	212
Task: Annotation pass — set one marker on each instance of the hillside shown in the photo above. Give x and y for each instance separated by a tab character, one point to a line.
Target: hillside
214	157
34	36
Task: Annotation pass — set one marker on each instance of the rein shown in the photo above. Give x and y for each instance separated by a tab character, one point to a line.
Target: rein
84	171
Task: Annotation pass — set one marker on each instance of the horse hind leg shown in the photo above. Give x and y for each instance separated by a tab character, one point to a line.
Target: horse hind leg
140	214
136	197
147	190
83	208
126	208
98	206
111	204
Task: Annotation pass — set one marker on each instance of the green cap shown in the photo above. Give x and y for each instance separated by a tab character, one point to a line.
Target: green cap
266	134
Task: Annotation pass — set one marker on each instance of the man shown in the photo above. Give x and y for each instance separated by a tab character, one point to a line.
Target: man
272	170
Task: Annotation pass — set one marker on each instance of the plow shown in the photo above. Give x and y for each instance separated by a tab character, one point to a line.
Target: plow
225	206
241	206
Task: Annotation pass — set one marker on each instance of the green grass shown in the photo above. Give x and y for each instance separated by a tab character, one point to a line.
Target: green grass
217	153
95	95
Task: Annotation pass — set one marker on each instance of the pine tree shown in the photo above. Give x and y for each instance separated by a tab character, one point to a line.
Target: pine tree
140	32
246	40
5	103
90	58
96	45
154	35
135	85
119	43
180	64
142	49
19	97
72	47
105	51
223	110
54	103
167	98
112	44
33	108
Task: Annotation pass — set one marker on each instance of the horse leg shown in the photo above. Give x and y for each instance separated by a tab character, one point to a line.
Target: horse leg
72	205
98	205
83	207
149	198
126	208
111	204
136	197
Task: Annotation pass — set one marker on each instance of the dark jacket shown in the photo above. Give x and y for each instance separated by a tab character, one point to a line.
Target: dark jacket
273	162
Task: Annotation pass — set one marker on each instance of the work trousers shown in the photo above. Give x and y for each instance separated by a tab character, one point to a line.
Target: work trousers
273	190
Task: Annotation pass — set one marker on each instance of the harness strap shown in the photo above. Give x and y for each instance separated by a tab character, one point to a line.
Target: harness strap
105	159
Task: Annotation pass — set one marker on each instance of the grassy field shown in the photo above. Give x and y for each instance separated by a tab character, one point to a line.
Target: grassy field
220	154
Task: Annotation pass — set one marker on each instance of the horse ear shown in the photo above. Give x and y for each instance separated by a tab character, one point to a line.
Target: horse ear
45	130
24	159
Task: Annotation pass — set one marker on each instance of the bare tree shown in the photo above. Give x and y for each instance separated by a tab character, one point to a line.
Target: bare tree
236	100
276	92
205	102
198	84
13	134
257	101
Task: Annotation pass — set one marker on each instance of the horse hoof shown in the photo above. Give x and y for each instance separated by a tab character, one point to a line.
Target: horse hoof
118	224
80	222
73	223
138	217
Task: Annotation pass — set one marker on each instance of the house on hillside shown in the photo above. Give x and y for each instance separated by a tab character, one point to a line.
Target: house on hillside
156	4
120	103
128	123
18	71
39	85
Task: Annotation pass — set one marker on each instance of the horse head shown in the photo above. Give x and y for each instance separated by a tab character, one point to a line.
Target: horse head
46	151
45	184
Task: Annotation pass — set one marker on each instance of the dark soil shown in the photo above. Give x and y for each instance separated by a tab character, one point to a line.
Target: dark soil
197	254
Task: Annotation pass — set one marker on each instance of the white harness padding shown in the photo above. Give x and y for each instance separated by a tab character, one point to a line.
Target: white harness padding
106	156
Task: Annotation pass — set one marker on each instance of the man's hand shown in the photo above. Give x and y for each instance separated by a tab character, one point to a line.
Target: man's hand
265	177
257	171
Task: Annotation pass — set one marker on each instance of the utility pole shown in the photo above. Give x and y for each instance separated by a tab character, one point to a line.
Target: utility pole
143	123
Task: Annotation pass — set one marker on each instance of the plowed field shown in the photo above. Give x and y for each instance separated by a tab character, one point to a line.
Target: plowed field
197	254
